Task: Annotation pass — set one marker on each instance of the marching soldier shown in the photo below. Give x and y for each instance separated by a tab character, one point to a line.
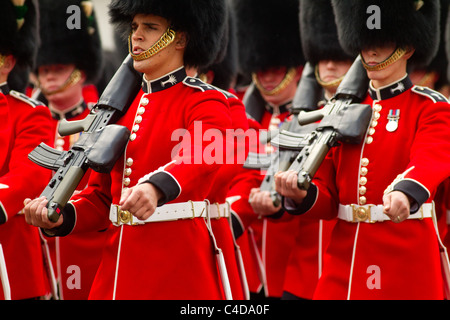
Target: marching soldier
265	244
321	48
385	242
25	123
68	63
158	244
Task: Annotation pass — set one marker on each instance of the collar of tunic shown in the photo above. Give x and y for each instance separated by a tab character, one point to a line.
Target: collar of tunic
72	113
165	82
4	88
391	90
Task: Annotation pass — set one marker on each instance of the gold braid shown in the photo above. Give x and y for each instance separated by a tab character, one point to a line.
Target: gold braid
330	84
166	39
283	84
73	79
395	56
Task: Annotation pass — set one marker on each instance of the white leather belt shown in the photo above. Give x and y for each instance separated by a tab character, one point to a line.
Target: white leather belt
168	212
374	213
217	211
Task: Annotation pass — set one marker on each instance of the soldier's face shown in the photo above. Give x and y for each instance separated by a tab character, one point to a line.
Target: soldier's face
394	72
51	77
271	78
54	77
146	31
331	70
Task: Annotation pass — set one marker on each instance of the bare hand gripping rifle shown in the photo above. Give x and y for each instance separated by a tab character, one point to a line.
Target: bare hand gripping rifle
343	119
306	98
98	147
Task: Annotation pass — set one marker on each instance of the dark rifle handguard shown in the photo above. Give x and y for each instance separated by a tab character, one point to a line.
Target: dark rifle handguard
343	121
107	145
99	145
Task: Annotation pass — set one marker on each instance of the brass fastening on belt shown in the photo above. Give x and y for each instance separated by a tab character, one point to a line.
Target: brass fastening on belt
361	214
123	216
192	208
421	213
218	211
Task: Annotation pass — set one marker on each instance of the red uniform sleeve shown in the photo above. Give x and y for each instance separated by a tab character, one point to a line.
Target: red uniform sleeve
20	178
430	158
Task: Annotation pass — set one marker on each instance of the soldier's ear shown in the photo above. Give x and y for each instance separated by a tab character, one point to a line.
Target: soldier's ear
9	63
181	40
409	52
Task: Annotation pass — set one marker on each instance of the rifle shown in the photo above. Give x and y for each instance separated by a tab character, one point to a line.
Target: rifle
343	119
306	98
100	144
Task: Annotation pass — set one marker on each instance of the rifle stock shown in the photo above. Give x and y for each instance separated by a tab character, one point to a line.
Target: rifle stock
99	146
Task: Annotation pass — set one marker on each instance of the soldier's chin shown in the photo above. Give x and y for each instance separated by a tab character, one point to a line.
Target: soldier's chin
141	66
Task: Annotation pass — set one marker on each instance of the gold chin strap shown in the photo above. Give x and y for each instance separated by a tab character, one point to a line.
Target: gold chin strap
329	84
386	63
73	79
290	75
166	39
2	60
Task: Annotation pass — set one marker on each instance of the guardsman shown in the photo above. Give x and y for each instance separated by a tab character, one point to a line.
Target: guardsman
152	203
275	72
321	48
68	63
385	242
25	124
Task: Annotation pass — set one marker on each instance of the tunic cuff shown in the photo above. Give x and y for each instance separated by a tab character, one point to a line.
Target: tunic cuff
237	225
69	219
167	184
414	190
298	209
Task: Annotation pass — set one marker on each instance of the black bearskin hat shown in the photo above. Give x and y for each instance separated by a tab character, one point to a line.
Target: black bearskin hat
225	68
202	20
440	62
63	45
21	42
19	36
268	34
407	23
319	33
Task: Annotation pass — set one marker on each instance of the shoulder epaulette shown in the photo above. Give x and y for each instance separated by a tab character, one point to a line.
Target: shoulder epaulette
431	94
24	98
199	84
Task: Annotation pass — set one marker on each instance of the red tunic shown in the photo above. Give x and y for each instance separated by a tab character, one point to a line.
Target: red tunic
164	260
25	124
386	260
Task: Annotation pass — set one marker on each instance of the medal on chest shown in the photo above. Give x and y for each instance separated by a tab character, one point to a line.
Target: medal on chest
393	117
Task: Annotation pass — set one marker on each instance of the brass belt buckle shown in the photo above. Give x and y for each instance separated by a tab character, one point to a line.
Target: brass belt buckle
361	214
218	211
123	216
